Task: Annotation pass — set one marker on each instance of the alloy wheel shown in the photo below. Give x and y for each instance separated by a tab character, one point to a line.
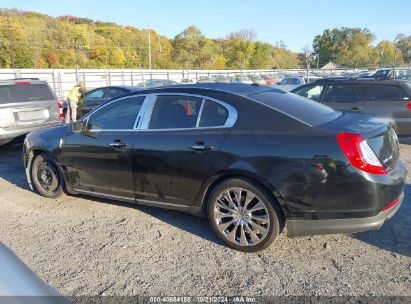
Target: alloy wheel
241	217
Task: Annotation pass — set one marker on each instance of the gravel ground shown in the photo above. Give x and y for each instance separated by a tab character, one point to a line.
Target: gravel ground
86	246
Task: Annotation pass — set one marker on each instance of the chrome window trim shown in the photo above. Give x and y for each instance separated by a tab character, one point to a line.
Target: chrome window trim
137	121
229	123
200	112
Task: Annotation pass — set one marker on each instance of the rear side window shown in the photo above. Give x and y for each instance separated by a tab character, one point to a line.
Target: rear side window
381	93
303	109
25	93
175	112
340	93
312	92
213	115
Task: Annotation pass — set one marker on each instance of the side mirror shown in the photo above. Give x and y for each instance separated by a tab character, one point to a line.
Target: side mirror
78	126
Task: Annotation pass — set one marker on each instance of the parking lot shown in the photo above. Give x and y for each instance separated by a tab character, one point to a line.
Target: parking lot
88	246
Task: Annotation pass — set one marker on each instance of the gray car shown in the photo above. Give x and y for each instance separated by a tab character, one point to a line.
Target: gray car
384	98
20	285
26	105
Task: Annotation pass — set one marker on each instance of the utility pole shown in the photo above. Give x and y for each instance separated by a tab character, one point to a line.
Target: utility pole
382	58
11	43
149	47
307	63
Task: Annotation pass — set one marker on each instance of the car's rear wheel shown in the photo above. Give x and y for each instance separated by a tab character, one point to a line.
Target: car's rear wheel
46	176
244	215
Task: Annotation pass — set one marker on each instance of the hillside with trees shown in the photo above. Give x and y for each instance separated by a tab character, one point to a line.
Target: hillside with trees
34	40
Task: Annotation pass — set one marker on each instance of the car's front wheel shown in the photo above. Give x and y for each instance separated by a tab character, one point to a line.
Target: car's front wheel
244	215
46	176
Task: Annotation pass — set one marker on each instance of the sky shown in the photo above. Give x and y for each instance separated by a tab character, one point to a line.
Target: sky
295	22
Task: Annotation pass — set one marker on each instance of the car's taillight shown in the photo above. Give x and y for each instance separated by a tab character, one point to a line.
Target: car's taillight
61	113
22	82
359	153
408	105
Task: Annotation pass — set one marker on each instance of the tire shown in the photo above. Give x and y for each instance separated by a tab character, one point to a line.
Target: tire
46	176
250	225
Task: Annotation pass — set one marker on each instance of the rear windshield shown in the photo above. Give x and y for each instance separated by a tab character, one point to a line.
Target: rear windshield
303	109
24	93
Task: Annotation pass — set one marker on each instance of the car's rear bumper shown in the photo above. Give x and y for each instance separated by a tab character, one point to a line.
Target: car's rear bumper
8	134
347	225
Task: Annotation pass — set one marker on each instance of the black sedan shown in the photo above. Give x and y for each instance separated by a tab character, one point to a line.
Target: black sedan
251	158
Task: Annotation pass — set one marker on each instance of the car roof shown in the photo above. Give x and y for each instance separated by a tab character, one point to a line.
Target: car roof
234	88
17	80
359	81
126	87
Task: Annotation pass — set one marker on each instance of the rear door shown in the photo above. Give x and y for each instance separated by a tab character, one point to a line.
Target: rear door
342	97
27	103
386	101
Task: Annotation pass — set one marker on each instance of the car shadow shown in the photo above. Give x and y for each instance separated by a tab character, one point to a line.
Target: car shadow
195	225
405	140
395	235
11	165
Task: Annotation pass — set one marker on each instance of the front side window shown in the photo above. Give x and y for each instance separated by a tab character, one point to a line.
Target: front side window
311	92
340	93
175	112
213	115
120	115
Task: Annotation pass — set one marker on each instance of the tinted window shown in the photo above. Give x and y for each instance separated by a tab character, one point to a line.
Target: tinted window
172	112
381	93
340	93
98	94
116	116
311	92
114	92
213	115
285	81
303	109
25	92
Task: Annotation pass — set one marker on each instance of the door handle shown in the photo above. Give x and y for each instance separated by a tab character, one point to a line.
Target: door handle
118	144
356	108
201	147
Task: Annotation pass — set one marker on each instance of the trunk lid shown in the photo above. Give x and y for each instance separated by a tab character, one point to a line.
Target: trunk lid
378	132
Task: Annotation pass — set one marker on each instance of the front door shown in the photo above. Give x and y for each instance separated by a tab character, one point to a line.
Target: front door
178	151
99	159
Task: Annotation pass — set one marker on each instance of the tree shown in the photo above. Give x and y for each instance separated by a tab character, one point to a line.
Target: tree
261	58
390	55
240	48
350	47
403	43
283	58
191	48
323	46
